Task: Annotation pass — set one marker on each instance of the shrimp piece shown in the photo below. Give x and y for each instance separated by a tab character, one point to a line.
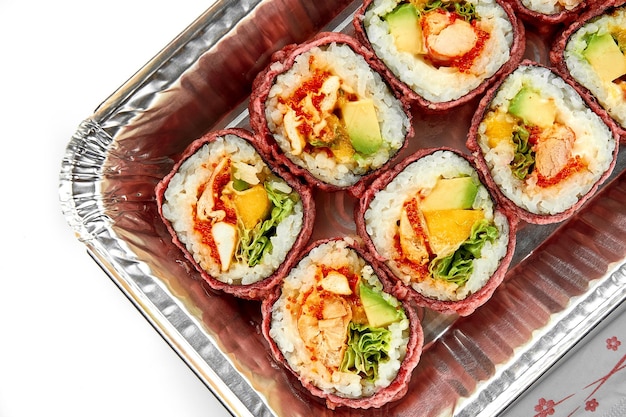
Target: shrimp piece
447	37
330	89
412	242
291	122
554	150
205	207
323	325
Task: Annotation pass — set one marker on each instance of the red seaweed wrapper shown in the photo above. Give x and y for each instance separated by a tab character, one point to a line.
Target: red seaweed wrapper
443	54
238	221
327	114
590	52
438	231
542	147
336	324
541	13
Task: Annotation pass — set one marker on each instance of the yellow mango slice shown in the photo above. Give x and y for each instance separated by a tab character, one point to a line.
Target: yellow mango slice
252	205
342	148
448	229
498	127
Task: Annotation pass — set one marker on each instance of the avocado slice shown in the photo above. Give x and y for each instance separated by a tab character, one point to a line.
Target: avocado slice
378	311
605	57
451	193
406	30
532	108
362	125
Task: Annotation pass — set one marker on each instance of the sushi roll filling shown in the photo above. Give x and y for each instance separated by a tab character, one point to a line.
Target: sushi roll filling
336	326
595	57
443	51
233	215
438	238
238	210
445	34
544	147
437	227
540	148
325	115
333	115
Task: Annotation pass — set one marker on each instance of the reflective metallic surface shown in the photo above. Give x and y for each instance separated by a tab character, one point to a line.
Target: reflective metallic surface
564	279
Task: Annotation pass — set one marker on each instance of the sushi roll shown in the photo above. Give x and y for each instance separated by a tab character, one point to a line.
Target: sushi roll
335	325
442	53
543	14
591	53
328	115
438	231
542	148
238	221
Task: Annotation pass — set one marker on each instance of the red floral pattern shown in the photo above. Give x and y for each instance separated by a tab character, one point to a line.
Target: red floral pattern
544	408
613	343
547	407
591	405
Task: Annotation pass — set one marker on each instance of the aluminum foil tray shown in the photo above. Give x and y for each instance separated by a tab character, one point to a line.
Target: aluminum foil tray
563	281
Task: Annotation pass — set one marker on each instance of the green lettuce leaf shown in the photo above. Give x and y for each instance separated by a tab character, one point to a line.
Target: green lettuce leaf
464	9
524	159
367	347
458	266
255	243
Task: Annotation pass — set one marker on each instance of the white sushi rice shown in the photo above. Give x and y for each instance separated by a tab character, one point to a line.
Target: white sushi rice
609	94
354	71
284	327
181	198
549	7
441	84
594	144
383	215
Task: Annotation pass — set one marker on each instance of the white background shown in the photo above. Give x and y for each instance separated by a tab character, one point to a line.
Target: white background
71	344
